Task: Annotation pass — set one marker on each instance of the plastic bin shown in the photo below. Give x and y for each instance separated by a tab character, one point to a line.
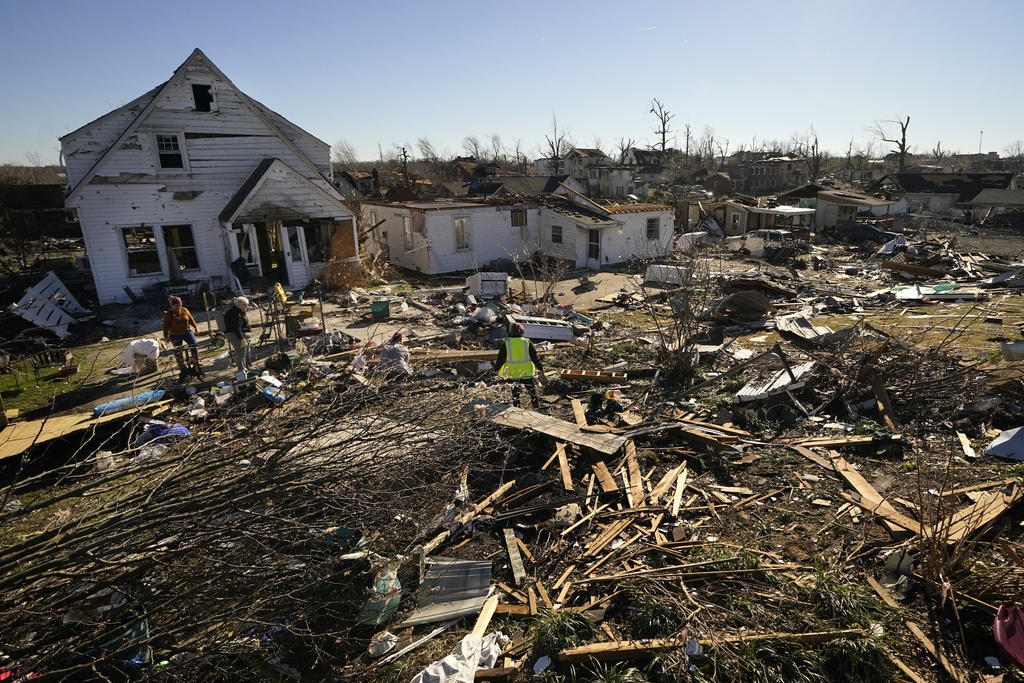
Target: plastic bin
380	308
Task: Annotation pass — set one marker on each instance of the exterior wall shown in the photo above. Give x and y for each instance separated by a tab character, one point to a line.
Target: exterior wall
631	241
567	249
221	148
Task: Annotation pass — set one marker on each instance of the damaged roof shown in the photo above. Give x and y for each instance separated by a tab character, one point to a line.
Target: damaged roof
965	185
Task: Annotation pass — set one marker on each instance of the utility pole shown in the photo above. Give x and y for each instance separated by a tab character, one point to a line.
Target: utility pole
981	136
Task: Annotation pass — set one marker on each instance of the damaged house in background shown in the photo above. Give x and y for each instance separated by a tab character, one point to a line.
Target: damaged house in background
194	175
451	236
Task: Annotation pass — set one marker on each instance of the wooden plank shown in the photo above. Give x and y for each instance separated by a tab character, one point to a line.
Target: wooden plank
965	444
882	401
607	537
565	575
484	620
518	571
604	477
677	497
525	550
630	649
813	457
563	466
543	593
465	517
635	489
532	598
662	487
608	444
518	595
600	376
989	507
564	593
952	669
513	610
578	412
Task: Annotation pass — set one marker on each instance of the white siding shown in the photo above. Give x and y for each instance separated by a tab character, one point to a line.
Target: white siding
222	147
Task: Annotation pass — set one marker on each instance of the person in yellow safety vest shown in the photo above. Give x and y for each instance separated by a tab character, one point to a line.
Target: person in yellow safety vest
518	362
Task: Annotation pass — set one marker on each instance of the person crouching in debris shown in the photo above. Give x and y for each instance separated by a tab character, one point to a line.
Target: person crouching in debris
394	359
237	331
518	362
178	326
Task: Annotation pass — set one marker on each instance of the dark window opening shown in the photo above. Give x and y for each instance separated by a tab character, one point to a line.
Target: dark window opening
168	148
140	245
203	96
181	247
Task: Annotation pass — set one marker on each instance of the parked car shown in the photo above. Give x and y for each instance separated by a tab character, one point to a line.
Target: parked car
775	238
864	232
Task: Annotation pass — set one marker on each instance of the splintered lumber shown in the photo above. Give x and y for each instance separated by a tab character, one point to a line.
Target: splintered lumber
543	593
661	488
989	507
952	669
601	376
631	649
513	610
578	413
707	439
607	537
872	501
913	270
563	466
518	418
729	431
465	517
604	477
636	489
677	497
484	620
882	399
844	441
518	571
965	444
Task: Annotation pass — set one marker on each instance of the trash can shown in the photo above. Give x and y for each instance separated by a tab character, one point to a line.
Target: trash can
380	308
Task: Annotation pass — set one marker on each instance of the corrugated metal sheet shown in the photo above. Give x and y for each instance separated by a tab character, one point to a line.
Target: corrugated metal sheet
450	589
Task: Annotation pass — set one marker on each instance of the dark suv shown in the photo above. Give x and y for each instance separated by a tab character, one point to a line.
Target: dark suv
864	232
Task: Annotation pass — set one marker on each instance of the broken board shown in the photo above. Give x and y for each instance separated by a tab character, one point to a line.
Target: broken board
609	444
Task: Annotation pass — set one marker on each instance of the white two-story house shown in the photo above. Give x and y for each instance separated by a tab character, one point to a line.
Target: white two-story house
194	176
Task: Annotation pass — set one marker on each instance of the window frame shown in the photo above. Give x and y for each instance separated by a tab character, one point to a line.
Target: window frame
461	233
184	264
407	232
556	234
517	215
654	222
128	250
179	141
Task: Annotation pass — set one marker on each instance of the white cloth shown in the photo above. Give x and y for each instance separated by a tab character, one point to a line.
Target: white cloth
150	348
472	653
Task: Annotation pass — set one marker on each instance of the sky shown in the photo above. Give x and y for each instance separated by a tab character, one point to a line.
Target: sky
382	74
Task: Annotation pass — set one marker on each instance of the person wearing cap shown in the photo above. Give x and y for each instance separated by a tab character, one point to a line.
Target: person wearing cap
237	331
518	362
178	326
394	359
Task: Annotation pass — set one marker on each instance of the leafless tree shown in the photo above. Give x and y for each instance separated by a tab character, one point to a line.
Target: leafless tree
518	158
436	162
343	155
688	136
723	151
496	151
706	146
879	130
557	144
598	143
1015	155
664	116
806	145
622	148
473	147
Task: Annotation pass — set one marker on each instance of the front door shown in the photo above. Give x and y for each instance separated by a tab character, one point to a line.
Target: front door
296	258
594	249
245	246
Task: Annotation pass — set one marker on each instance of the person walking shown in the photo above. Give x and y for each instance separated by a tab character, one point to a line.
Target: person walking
237	331
178	326
518	362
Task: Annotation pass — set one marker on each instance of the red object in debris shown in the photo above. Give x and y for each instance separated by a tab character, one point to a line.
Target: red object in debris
1009	634
311	331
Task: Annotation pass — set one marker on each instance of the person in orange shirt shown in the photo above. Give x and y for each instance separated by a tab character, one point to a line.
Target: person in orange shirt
178	326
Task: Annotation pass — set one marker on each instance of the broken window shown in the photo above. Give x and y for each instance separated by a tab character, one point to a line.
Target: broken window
461	234
181	247
140	246
518	218
203	96
556	234
407	232
318	240
653	228
169	152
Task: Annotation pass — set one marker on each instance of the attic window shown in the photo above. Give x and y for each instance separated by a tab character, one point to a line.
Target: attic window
168	149
203	96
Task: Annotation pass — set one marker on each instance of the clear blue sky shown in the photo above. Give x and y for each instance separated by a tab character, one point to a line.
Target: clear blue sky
388	73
